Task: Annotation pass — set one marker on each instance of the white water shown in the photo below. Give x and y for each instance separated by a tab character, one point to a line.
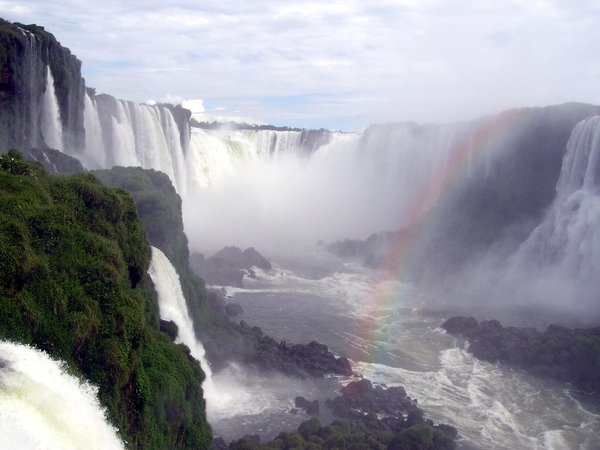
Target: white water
269	142
51	124
42	407
564	250
172	306
396	340
95	155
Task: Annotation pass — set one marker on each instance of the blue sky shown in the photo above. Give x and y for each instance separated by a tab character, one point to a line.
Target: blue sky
332	64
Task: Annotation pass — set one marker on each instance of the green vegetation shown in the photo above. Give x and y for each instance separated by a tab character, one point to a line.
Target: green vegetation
364	435
159	207
73	263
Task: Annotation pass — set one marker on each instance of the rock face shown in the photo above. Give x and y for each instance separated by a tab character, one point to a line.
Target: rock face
54	161
571	355
228	266
311	408
360	397
298	360
361	401
29	54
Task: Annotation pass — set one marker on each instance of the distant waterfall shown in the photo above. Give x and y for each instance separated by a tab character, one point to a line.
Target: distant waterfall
135	135
172	307
94	142
51	123
569	238
44	407
270	142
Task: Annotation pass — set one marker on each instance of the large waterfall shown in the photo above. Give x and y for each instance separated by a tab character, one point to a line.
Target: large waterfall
564	248
44	407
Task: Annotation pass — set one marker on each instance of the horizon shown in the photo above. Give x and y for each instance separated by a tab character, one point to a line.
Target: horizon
339	66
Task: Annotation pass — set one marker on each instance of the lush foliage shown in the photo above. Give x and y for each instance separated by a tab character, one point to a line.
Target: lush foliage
73	262
159	207
364	435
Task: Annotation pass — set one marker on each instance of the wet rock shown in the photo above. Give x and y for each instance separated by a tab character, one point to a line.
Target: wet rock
218	444
297	360
360	397
311	408
215	299
571	355
233	309
228	266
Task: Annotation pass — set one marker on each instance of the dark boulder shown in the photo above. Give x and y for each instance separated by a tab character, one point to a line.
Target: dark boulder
460	325
571	355
311	408
360	397
215	300
233	309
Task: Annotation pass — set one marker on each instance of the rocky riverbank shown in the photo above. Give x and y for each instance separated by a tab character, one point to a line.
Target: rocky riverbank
570	355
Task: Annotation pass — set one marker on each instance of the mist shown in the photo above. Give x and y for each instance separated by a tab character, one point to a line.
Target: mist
495	228
284	202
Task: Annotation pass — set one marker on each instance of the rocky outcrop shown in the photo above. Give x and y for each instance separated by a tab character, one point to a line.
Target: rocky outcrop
384	408
360	397
369	252
54	161
229	266
311	408
243	259
298	360
571	355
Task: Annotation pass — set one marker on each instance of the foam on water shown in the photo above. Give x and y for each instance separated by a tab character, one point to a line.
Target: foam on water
42	407
492	406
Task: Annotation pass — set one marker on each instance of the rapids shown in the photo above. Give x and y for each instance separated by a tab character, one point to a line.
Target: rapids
396	340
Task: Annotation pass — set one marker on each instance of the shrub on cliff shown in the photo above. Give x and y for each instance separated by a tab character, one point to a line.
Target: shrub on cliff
73	263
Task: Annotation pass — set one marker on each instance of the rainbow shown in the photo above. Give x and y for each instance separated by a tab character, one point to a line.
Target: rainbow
401	253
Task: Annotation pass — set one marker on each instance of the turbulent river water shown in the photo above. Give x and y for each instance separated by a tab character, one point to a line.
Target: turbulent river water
392	338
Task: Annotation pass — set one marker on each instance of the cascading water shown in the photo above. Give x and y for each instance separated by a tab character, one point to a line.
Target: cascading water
42	407
234	394
270	142
563	249
51	123
172	307
95	154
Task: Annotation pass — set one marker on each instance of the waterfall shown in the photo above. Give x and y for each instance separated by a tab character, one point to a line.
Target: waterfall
568	240
270	142
94	143
51	123
44	407
173	307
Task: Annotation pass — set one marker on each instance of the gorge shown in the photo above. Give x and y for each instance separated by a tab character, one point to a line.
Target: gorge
497	217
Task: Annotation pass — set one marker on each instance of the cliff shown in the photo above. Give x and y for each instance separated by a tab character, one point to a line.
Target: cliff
28	54
73	282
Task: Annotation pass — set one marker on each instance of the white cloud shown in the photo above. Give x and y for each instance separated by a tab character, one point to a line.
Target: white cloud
351	62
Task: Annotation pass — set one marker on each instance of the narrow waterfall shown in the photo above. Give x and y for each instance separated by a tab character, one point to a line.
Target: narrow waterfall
44	407
51	123
172	307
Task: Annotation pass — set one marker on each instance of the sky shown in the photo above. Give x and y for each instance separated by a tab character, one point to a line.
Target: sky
341	65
